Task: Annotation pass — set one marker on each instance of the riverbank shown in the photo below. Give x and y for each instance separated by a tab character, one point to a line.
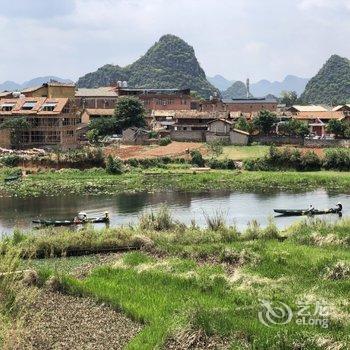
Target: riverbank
184	285
97	181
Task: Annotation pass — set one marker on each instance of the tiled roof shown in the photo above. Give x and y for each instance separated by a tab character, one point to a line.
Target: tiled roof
337	108
99	111
249	100
310	108
241	132
189	114
38	104
322	115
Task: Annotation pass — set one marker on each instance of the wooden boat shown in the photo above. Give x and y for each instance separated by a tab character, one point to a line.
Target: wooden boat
300	212
103	219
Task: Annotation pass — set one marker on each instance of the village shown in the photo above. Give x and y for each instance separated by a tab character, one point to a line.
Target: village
59	116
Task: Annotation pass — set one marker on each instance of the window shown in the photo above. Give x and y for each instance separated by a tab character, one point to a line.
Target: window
38	136
53	136
7	107
49	107
28	106
24	138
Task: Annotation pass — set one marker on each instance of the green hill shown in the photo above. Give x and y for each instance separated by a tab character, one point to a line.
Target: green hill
169	63
236	90
331	85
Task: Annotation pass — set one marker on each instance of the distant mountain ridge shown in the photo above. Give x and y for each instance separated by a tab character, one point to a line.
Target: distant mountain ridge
169	63
13	86
220	82
264	87
331	85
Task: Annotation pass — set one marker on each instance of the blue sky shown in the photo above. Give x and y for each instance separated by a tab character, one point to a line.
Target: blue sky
236	38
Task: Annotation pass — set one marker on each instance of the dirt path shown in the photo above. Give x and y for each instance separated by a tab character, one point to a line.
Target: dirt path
63	322
174	149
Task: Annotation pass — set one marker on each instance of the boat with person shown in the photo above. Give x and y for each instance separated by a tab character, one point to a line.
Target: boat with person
80	219
310	211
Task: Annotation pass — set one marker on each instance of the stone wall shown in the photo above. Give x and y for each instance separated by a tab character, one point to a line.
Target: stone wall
239	139
212	137
188	135
326	143
277	140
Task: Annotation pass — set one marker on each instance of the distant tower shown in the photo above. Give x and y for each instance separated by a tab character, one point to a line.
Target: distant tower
248	88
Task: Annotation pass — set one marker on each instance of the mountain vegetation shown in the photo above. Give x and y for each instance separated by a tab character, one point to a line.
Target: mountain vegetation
331	85
237	90
169	63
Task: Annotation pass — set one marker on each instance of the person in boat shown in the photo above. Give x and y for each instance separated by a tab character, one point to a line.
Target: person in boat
311	209
81	218
338	209
107	216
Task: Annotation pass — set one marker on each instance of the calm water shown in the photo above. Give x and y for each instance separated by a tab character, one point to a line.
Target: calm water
237	207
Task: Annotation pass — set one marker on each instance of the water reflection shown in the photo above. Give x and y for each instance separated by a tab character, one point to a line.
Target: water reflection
237	207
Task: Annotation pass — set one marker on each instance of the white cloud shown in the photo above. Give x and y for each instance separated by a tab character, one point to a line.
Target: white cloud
327	4
238	38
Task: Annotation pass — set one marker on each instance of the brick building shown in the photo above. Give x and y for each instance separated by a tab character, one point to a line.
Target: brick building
251	105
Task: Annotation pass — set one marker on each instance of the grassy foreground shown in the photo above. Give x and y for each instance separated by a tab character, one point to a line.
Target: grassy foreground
97	181
182	279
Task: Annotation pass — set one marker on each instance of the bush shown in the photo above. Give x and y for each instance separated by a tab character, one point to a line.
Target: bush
216	222
221	164
310	161
337	159
197	159
159	221
11	160
114	166
164	141
216	147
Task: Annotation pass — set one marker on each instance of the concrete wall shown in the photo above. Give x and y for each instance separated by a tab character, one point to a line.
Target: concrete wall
219	127
277	140
327	143
239	139
5	139
187	135
212	137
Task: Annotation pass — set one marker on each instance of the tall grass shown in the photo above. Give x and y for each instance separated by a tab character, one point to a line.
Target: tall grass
161	220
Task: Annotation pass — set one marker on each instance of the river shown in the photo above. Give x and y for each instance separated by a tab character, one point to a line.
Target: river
124	209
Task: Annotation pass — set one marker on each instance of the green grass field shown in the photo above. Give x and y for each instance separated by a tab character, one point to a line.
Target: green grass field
244	152
215	280
97	181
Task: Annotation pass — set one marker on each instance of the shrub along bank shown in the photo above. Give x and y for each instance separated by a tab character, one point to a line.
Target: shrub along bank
292	158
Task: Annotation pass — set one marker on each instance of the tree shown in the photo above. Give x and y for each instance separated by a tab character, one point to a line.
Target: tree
104	126
289	98
216	147
93	136
265	121
114	165
243	124
16	126
336	127
129	111
295	127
